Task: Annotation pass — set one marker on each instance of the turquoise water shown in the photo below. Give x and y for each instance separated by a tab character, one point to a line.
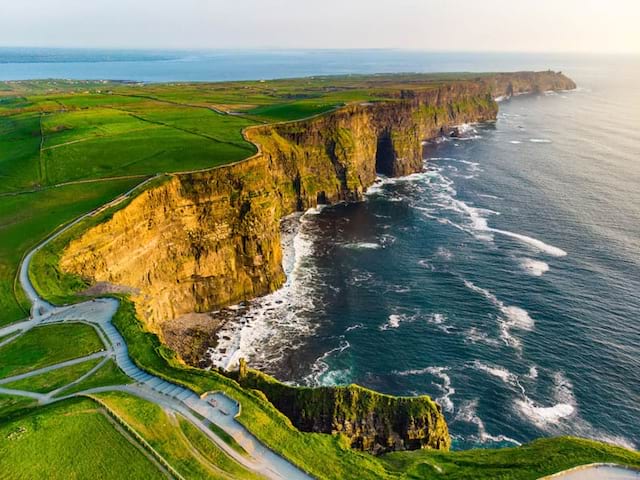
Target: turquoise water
503	280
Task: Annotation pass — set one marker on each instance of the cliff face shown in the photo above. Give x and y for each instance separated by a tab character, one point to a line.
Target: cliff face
210	239
373	422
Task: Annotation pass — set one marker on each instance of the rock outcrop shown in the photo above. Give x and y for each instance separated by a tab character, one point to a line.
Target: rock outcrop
372	422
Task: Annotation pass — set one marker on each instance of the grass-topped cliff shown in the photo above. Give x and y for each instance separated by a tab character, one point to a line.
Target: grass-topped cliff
373	422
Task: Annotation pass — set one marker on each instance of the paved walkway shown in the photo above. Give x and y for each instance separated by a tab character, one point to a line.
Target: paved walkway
99	313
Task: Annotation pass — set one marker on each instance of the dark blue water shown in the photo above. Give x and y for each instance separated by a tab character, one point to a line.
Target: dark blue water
504	280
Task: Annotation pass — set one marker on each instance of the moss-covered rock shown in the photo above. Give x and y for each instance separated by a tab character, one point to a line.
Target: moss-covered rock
372	421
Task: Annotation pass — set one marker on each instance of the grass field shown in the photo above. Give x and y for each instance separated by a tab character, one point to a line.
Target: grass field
107	375
68	440
10	404
48	345
27	218
182	445
49	381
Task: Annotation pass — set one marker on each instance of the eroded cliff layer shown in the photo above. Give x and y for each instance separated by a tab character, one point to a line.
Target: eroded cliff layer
209	239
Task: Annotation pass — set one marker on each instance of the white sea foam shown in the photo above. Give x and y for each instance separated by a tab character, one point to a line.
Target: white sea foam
320	370
362	246
445	387
533	242
447	390
496	371
354	327
539	140
426	264
511	317
468	413
561	416
515	142
534	267
533	372
473	335
545	417
249	333
440	322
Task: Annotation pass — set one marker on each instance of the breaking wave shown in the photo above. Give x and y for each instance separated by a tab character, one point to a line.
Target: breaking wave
534	267
511	317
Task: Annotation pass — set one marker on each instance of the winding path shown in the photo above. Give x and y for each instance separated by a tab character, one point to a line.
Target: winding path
170	396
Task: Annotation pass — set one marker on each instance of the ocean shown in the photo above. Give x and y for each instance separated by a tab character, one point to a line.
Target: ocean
503	280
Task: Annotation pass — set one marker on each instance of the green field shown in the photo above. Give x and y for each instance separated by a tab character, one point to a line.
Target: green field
10	404
49	381
107	375
48	345
73	439
181	444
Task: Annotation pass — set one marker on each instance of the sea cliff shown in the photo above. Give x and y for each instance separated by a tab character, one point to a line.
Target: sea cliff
209	239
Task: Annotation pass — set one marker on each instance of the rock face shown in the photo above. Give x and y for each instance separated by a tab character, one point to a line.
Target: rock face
209	239
372	422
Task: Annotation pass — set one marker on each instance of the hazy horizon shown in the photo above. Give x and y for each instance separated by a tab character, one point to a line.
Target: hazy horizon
491	26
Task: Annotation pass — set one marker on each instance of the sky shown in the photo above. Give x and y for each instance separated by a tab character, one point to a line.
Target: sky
598	26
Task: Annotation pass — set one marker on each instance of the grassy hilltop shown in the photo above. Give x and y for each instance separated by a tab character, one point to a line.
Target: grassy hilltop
68	147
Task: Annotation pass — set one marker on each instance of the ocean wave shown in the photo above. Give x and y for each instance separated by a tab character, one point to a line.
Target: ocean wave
539	140
511	317
496	371
473	335
468	413
321	375
362	246
544	417
534	267
395	319
440	321
444	253
354	327
515	142
532	242
445	387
